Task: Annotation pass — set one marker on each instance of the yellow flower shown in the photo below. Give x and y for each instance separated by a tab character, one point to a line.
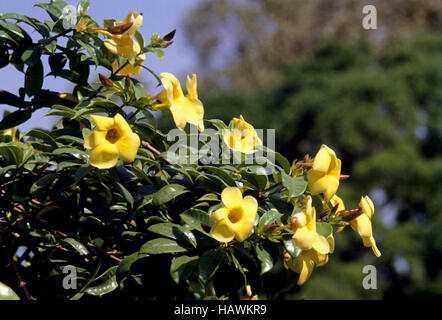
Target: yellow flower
362	224
11	132
243	137
236	218
324	175
184	108
112	139
123	44
315	247
305	263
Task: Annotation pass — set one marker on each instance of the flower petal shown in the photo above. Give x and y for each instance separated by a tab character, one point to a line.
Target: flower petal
243	228
128	146
222	232
103	123
304	238
171	84
179	115
231	197
94	138
362	225
104	156
250	207
321	245
219	214
367	206
191	87
122	125
307	266
322	160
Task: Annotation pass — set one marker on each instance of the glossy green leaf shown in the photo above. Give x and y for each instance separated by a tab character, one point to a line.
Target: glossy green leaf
295	186
174	231
161	245
167	193
268	218
6	293
182	267
34	79
209	263
325	229
15	118
81	248
292	248
265	258
105	283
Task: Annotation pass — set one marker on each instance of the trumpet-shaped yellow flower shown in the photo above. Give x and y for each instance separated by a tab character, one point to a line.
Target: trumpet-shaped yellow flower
112	139
324	175
315	247
184	108
11	132
243	137
362	224
236	218
121	43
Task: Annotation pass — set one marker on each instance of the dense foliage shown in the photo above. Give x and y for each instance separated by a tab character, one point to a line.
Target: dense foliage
102	192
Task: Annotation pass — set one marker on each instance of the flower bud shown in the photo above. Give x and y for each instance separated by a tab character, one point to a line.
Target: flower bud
105	81
299	220
120	28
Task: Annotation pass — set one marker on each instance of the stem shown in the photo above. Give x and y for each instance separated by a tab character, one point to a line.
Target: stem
17	272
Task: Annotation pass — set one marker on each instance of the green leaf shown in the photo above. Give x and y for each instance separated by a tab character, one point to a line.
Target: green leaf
34	79
105	283
40	134
267	218
9	98
292	248
182	267
54	8
209	263
81	248
265	258
11	153
31	56
7	293
222	174
218	124
161	245
42	183
167	193
325	229
83	7
256	176
295	186
128	261
194	217
174	231
125	193
15	118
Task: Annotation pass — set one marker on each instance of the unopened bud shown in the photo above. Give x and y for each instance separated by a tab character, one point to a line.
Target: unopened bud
120	28
350	214
127	81
169	36
344	177
299	220
105	81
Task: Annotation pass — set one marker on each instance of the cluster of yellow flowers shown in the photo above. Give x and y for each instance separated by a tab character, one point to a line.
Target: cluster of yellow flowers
113	139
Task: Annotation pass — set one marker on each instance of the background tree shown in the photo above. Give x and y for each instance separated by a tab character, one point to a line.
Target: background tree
310	71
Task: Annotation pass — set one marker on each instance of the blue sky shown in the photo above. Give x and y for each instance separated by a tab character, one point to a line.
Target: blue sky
159	15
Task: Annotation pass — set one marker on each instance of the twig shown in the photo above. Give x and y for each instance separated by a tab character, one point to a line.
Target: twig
17	272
